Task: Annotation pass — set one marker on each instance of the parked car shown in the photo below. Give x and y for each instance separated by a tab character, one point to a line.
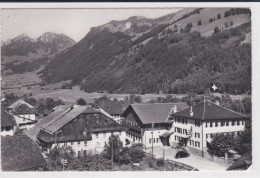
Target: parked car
181	154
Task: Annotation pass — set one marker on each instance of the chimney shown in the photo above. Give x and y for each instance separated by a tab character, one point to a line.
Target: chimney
217	102
174	108
191	112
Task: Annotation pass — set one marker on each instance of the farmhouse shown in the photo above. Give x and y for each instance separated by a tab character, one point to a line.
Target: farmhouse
147	122
24	114
8	123
34	131
114	108
84	128
197	125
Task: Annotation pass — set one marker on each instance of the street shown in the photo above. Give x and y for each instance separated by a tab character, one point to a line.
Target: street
198	162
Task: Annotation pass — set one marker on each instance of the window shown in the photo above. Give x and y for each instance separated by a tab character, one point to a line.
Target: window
199	144
85	142
216	124
242	122
227	123
206	124
186	121
154	140
190	142
182	121
198	135
178	120
238	122
197	124
195	143
85	152
222	123
233	123
211	124
157	139
207	136
150	140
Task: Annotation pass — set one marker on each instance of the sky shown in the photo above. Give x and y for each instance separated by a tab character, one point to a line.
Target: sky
74	23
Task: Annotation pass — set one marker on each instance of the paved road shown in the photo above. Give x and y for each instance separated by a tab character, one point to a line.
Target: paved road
198	162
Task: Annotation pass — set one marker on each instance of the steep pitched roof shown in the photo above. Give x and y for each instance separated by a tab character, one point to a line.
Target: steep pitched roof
34	131
20	153
19	102
63	118
112	107
241	163
154	112
7	119
210	111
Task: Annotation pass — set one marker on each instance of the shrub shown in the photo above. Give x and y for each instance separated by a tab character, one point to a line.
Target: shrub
160	162
81	102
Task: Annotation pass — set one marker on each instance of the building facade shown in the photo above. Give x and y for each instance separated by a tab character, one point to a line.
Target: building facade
24	114
8	124
197	125
146	122
85	129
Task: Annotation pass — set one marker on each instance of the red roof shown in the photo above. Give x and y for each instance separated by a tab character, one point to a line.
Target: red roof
209	111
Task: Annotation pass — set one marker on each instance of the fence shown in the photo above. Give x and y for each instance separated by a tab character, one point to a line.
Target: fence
218	159
177	165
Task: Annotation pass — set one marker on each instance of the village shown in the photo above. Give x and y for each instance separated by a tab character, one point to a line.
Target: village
162	136
127	89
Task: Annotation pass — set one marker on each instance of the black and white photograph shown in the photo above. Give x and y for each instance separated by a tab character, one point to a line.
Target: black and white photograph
126	89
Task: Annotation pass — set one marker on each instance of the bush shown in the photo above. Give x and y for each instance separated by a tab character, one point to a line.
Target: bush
160	162
81	102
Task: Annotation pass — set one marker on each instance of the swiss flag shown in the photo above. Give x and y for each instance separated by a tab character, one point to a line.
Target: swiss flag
214	87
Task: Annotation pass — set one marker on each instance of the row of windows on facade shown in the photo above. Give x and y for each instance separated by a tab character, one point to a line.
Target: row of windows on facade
112	133
7	128
72	143
185	121
155	140
198	123
134	137
224	123
223	133
133	123
197	144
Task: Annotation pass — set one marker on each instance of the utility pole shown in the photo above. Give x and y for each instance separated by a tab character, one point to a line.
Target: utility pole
152	137
112	152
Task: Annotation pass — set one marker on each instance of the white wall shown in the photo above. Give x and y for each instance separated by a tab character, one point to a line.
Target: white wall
156	136
20	120
95	145
206	130
5	132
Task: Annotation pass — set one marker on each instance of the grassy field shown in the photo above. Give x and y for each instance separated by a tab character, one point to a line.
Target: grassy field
18	84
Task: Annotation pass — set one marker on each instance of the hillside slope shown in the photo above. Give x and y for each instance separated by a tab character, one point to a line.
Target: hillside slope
141	55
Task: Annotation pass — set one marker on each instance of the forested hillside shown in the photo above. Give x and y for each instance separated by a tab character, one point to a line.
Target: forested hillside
141	55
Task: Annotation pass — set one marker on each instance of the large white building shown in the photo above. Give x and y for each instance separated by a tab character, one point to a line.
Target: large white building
198	124
85	129
24	114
